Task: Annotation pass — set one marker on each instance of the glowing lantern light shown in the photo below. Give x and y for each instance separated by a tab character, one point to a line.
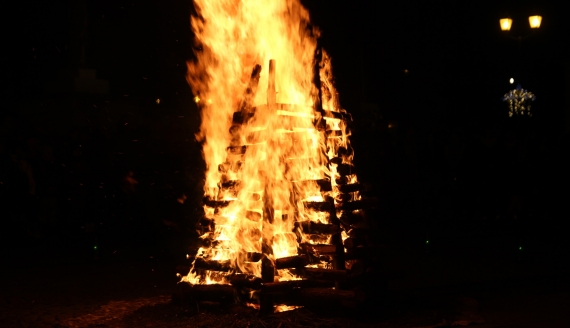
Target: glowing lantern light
506	24
534	21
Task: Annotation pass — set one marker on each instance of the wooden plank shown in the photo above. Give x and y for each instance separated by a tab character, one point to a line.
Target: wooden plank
317	228
287	286
325	274
298	261
318	206
215	203
202	264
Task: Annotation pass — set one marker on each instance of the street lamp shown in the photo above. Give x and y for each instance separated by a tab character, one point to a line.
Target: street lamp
506	24
534	22
519	99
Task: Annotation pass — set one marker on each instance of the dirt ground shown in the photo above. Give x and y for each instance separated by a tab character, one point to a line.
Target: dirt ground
435	292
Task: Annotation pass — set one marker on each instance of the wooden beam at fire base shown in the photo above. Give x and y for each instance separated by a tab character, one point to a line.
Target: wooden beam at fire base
319	249
202	264
325	274
245	280
298	261
321	298
283	287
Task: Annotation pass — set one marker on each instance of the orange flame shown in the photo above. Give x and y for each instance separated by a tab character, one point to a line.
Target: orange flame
274	158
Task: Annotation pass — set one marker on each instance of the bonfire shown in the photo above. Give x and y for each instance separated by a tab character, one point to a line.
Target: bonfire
282	207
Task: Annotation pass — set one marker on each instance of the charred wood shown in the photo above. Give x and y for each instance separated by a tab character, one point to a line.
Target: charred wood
345	169
237	150
318	206
332	212
319	248
358	268
334	133
230	184
254	256
317	228
271	93
343	151
335	160
245	280
345	197
338	263
324	184
224	167
323	274
318	105
342	180
288	286
215	203
337	115
350	187
320	124
202	264
242	118
298	261
350	243
251	90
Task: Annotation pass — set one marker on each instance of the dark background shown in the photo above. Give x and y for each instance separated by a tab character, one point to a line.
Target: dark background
435	143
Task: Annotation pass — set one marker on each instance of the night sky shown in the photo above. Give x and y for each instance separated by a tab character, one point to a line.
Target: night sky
453	51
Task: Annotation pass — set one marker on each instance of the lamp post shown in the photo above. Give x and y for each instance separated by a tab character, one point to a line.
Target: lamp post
534	23
517	97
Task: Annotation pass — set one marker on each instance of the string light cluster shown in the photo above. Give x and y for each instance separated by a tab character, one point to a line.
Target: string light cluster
518	103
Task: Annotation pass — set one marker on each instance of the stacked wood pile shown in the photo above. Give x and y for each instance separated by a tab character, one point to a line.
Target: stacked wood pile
329	285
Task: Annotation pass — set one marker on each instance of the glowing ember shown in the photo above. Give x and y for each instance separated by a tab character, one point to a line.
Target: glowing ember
284	308
275	143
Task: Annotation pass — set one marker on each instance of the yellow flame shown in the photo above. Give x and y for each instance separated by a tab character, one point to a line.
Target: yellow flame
284	153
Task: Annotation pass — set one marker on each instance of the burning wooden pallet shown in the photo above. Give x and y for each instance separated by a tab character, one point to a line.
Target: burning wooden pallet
325	216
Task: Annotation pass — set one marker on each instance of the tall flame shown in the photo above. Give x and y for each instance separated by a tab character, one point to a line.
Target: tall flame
273	159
